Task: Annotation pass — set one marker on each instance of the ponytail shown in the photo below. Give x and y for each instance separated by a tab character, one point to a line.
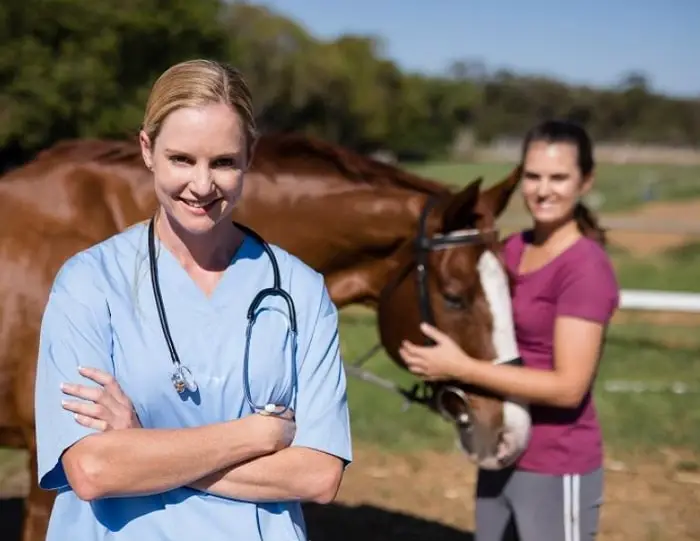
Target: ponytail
588	224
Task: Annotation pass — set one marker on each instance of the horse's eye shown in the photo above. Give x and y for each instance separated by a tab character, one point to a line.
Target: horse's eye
452	301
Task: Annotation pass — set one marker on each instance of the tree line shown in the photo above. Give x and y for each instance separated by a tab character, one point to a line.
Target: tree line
71	68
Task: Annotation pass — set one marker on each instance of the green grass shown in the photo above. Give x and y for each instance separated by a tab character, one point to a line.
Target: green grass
622	186
674	270
635	351
631	422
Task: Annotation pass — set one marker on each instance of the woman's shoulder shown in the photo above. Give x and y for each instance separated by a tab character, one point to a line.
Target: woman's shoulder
306	286
587	255
588	266
300	275
89	267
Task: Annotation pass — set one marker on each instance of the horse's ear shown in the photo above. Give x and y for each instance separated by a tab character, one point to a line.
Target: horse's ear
460	209
495	199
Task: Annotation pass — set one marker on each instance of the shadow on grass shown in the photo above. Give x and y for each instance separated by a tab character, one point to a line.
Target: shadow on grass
334	522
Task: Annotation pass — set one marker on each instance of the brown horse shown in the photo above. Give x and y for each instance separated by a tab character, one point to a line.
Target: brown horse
353	219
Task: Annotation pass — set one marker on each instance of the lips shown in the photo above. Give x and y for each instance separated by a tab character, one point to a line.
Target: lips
206	205
199	208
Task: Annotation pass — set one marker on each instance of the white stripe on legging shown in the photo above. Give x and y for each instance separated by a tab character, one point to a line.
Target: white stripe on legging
572	507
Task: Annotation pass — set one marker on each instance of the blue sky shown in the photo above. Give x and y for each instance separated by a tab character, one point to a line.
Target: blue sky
592	42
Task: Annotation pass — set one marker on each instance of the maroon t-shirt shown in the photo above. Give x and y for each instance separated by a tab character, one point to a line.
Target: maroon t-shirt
578	282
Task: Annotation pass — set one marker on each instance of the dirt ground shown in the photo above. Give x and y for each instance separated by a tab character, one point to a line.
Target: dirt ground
645	244
429	496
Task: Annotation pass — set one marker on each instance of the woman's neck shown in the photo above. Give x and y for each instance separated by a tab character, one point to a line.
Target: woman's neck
211	251
555	235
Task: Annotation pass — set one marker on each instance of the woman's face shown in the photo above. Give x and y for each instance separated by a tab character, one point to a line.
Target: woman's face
198	160
552	182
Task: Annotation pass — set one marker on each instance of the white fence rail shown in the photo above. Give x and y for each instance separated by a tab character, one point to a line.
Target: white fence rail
660	301
655	301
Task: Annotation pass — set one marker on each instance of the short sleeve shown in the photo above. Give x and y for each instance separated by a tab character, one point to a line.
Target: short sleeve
75	331
589	290
322	416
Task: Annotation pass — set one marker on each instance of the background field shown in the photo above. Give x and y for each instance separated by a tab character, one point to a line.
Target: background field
409	482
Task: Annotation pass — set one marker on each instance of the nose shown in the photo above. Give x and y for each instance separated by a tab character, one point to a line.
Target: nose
202	183
543	187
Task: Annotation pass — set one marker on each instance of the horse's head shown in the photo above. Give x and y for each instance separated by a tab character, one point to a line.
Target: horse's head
452	277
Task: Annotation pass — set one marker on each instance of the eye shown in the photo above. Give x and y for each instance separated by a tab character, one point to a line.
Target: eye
226	163
453	301
180	160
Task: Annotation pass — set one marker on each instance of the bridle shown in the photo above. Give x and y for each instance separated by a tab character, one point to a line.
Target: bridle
428	393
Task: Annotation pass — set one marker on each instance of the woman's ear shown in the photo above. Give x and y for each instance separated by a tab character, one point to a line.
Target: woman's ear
146	150
587	183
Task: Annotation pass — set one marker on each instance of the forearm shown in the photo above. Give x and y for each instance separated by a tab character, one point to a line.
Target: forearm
145	461
545	387
292	474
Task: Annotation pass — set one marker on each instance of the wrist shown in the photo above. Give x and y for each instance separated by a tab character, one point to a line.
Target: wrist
258	435
466	366
248	438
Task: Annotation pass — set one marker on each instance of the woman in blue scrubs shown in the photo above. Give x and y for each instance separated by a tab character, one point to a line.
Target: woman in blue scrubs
129	454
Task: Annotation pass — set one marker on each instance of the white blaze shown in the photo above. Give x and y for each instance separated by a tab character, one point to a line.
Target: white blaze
516	416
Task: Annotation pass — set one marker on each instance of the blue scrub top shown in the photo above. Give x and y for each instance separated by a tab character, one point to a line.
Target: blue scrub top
101	313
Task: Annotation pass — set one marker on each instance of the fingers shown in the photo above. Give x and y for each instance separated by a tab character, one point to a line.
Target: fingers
107	381
431	332
93	394
90	422
87	409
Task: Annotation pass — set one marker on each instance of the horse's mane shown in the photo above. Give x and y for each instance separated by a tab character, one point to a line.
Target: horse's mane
315	154
274	152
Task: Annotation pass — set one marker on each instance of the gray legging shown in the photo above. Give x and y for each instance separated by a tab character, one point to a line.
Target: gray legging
541	507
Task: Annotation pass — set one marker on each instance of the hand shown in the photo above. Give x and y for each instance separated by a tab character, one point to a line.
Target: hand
444	360
276	432
111	409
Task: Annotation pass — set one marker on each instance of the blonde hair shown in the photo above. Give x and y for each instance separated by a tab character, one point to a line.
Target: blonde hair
194	83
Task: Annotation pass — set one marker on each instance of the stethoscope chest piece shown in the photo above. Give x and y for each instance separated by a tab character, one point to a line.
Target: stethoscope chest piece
183	380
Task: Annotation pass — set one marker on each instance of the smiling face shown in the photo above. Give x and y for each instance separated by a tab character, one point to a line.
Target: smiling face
552	181
198	161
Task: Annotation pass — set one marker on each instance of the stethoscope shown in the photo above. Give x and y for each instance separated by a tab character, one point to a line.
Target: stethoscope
182	378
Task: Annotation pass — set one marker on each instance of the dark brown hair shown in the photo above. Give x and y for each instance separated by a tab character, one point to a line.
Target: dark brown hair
565	131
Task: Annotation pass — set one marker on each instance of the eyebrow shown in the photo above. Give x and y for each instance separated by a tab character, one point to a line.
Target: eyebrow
232	154
533	174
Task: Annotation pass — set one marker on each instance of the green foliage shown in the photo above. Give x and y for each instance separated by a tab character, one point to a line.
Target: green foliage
70	68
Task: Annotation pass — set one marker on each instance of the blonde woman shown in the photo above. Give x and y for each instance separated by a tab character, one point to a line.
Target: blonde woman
156	417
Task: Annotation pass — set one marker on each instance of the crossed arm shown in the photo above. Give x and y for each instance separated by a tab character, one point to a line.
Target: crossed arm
242	459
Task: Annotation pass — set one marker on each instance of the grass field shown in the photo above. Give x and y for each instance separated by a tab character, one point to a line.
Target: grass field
622	186
631	422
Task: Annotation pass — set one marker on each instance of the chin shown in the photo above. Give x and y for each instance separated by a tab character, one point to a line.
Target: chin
548	217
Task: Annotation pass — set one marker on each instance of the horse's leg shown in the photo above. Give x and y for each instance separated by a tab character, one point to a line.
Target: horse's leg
38	503
361	284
